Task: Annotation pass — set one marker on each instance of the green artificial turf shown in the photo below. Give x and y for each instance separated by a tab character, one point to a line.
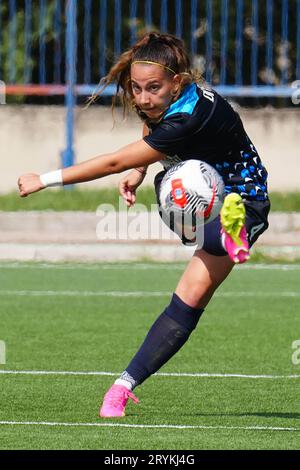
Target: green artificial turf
92	318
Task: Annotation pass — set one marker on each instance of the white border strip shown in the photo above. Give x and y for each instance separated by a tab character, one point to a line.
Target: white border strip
161	374
149	426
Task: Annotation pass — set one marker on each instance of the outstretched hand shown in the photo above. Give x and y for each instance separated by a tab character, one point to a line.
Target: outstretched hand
128	186
29	183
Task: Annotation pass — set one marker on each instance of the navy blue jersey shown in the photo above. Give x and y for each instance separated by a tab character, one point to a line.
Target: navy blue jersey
202	125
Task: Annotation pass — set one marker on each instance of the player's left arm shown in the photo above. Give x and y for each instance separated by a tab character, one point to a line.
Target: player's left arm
137	154
129	184
143	169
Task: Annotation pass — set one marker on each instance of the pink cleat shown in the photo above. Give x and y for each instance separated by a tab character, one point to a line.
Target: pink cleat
234	234
115	401
237	253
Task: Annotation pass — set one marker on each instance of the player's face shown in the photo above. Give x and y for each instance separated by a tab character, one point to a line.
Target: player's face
153	88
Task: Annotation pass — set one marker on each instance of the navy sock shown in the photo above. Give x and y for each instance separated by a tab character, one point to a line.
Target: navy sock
166	336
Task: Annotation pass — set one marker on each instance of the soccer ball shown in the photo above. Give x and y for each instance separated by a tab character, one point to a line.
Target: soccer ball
192	188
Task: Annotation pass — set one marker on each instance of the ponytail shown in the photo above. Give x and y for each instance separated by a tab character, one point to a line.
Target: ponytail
164	49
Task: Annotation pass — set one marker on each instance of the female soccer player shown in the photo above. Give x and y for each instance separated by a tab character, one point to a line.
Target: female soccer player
181	121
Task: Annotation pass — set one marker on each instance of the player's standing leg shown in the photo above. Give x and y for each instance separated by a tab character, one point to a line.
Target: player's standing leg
171	330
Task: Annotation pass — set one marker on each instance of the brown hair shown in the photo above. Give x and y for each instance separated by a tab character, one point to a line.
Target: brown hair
164	49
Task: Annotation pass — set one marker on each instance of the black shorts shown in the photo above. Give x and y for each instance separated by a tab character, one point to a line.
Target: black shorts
256	223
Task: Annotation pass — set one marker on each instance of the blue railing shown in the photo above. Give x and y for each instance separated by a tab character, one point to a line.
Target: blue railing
242	47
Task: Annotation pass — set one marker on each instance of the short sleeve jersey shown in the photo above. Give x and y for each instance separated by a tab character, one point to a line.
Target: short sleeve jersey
202	125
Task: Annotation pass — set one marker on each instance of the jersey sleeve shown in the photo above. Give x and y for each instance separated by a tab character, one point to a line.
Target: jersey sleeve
171	135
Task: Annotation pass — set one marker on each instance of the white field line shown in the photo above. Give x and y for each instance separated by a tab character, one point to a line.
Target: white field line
70	293
149	426
76	293
93	267
138	266
161	374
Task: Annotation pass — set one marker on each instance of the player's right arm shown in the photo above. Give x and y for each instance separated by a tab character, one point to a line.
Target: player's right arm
135	155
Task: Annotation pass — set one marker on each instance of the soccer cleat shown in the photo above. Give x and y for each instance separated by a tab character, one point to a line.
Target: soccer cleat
115	401
234	234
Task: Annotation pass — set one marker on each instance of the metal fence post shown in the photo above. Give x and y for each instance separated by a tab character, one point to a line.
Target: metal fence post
70	98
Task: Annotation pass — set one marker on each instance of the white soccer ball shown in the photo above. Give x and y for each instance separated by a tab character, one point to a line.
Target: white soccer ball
192	188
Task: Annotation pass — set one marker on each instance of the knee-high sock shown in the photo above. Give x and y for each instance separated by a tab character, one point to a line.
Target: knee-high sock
166	336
